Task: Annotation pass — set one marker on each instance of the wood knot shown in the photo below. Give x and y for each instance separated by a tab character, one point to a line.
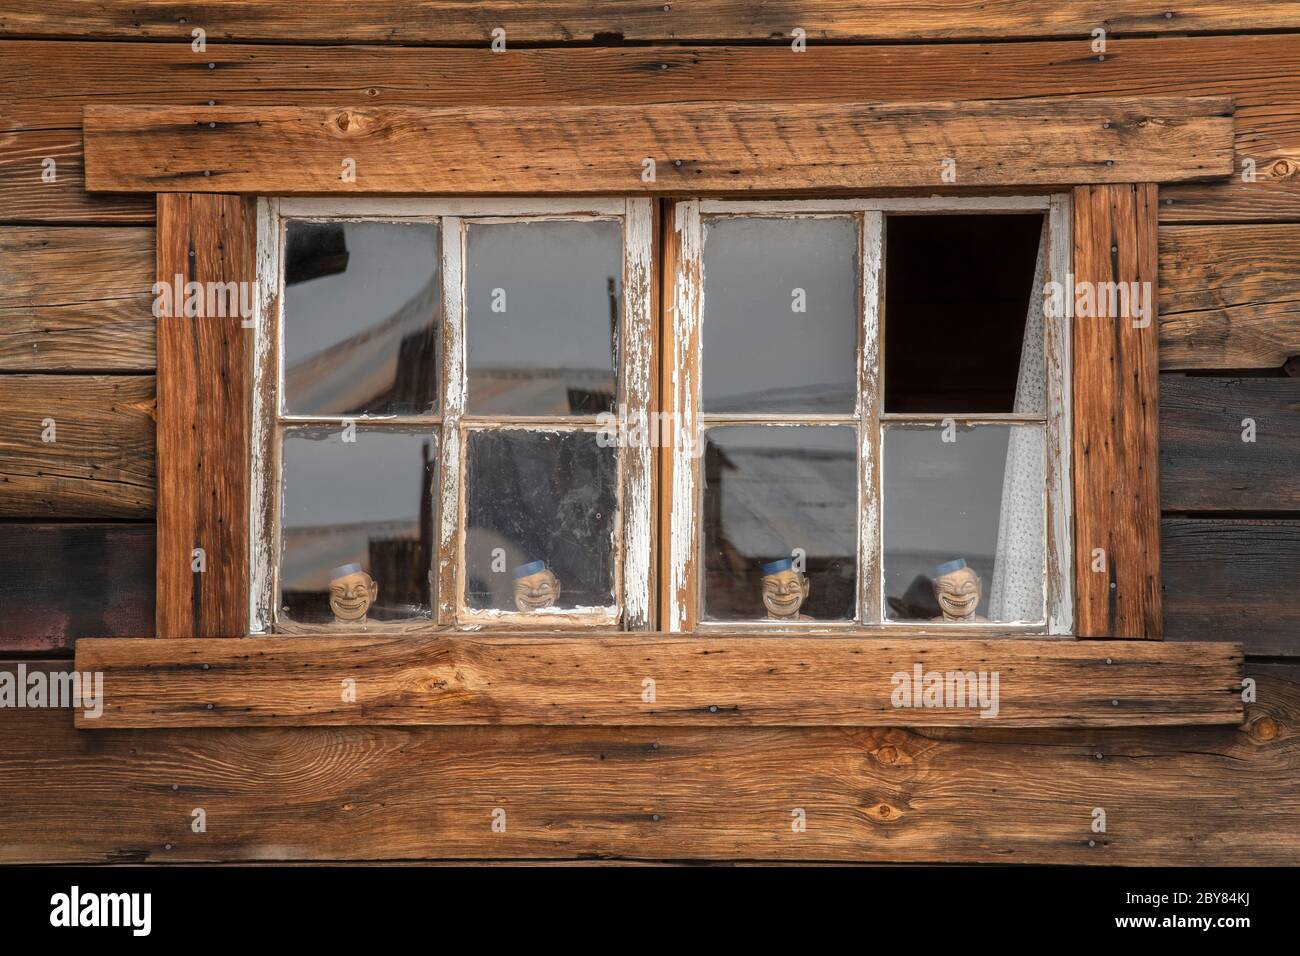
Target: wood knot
887	754
882	812
1284	168
347	121
1265	728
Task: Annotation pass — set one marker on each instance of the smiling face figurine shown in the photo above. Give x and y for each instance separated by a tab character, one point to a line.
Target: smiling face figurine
352	592
957	590
535	587
784	591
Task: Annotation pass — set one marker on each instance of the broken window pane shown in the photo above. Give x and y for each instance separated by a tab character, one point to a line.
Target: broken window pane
541	520
543	301
362	318
780	523
964	530
963	320
781	315
353	514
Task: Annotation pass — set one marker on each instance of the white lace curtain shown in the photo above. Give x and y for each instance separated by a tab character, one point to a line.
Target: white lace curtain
1016	593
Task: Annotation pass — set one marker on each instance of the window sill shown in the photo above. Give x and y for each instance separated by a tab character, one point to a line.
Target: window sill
654	680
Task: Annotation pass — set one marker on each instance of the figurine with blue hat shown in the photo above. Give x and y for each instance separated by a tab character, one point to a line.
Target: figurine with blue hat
352	592
536	586
784	590
957	589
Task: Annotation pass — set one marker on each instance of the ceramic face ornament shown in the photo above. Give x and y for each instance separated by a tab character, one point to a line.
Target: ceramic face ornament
536	587
957	590
352	592
784	591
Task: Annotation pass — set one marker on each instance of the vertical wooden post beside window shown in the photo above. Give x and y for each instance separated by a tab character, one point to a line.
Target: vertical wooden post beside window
1116	373
204	398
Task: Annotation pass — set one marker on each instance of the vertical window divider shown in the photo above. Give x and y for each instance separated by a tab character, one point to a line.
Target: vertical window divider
447	506
870	390
1060	503
637	354
264	464
682	388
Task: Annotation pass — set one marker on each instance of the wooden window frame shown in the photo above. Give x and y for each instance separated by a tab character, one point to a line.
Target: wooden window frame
683	594
452	422
1111	152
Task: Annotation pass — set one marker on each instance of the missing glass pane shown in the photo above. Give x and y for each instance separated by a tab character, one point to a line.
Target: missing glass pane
362	318
543	300
963	514
963	324
541	521
356	520
781	315
780	523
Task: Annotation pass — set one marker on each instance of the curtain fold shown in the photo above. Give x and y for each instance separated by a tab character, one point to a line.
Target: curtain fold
1016	593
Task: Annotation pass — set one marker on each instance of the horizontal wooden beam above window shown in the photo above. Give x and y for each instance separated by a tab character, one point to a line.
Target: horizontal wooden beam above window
555	679
672	148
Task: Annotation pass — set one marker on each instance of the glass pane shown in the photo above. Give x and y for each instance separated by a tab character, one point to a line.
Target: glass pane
362	317
781	315
542	304
964	523
780	523
356	526
963	325
541	520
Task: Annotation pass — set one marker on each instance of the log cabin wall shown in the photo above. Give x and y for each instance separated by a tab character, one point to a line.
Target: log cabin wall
77	535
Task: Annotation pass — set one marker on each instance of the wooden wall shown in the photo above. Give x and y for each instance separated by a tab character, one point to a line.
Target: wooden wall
76	533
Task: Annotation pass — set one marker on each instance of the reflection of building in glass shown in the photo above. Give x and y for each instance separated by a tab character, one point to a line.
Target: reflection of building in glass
761	503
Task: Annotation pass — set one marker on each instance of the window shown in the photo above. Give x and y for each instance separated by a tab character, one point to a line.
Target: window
865	406
881	413
429	381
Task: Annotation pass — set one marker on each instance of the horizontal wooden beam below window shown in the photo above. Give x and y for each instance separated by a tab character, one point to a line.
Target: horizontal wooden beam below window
659	680
695	147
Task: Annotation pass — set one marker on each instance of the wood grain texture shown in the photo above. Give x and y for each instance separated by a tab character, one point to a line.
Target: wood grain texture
77	446
204	427
59	582
1116	494
697	147
1187	795
1205	462
76	299
726	681
1229	296
45	84
564	21
1233	579
26	198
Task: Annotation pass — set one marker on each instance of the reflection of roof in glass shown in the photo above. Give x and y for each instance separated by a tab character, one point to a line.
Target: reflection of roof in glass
777	500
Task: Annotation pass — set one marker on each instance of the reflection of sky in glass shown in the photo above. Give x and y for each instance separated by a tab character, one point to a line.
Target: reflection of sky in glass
560	318
759	354
942	501
389	293
377	478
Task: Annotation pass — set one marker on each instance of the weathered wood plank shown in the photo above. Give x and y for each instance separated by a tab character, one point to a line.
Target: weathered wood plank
76	299
657	679
1189	795
696	147
204	422
45	85
1232	579
1229	444
1116	495
25	197
77	446
564	21
59	582
1229	296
